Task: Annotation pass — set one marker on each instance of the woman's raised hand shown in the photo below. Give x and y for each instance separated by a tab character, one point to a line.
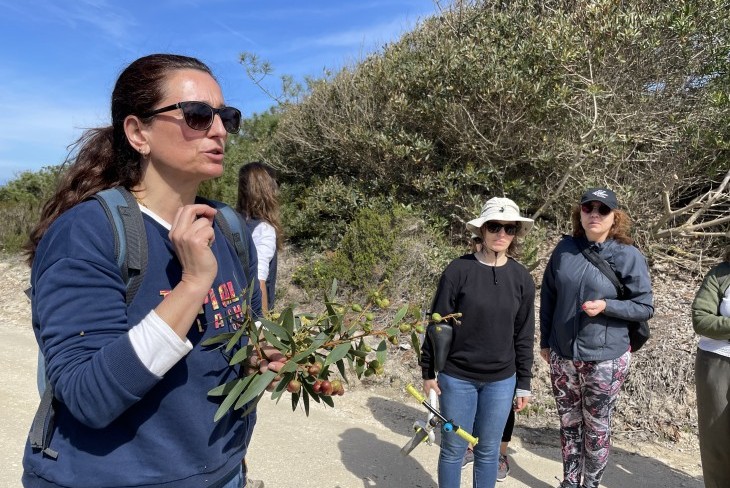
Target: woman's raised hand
192	236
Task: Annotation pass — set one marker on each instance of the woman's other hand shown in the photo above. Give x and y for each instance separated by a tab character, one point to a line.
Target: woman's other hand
594	307
521	402
429	385
545	354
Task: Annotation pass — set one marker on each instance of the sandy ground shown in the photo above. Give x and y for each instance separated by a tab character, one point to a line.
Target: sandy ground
355	445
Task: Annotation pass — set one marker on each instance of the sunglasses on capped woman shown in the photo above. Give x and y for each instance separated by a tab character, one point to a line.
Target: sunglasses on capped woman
495	227
200	115
602	208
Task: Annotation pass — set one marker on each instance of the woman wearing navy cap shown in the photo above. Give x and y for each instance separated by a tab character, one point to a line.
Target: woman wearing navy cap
584	333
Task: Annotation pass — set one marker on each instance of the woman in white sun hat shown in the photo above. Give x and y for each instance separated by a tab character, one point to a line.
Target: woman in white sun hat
491	348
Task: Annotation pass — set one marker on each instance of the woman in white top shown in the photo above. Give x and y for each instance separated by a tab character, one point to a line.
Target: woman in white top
258	202
711	320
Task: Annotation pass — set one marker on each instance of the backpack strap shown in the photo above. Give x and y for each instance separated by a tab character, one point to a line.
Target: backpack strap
130	238
233	228
130	249
42	426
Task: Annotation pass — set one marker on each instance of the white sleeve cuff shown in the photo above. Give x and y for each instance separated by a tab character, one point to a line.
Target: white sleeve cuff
157	345
522	393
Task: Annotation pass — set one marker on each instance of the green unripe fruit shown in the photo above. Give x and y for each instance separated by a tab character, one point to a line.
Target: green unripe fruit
356	307
369	316
436	317
420	329
405	328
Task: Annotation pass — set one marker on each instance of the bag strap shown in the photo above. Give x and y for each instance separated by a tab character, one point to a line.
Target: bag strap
130	238
233	228
594	258
130	249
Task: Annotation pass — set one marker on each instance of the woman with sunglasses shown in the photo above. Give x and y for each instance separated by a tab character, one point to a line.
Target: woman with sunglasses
584	333
131	381
491	350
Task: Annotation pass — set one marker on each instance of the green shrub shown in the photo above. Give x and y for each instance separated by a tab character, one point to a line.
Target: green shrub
316	216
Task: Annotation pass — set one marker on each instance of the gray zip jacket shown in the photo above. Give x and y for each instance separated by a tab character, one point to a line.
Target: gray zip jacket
570	280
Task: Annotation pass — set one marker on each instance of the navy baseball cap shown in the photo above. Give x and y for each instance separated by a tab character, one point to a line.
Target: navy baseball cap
603	195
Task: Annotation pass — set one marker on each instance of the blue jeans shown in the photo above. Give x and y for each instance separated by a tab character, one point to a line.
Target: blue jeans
238	481
481	408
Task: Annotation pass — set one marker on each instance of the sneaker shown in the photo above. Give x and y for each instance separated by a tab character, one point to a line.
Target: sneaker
567	484
253	483
468	458
503	469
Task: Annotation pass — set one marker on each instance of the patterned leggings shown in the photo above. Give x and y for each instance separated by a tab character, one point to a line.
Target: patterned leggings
585	394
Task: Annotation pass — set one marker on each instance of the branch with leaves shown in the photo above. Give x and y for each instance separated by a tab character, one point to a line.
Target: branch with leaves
299	352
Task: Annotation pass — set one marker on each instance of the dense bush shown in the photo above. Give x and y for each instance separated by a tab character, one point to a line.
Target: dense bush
532	100
21	201
382	242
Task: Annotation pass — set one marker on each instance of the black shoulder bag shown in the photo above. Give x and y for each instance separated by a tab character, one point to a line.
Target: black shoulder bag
638	331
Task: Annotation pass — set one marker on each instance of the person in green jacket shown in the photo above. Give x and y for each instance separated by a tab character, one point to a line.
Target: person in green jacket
711	320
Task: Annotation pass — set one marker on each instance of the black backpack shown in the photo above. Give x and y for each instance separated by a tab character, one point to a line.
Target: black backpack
130	248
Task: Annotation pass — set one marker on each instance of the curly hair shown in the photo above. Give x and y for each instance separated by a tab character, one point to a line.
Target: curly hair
619	230
105	158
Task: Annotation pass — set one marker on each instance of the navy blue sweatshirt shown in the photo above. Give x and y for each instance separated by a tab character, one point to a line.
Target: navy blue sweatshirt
117	424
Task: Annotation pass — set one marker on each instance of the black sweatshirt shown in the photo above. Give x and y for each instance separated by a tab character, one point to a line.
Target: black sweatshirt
497	331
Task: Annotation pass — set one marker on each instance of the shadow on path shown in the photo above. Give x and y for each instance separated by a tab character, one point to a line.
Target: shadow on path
379	463
538	468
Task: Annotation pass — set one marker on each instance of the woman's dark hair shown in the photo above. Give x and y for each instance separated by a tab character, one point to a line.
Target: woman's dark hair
104	157
619	230
258	196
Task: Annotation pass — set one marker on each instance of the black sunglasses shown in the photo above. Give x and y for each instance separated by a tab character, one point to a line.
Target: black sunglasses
509	229
602	208
200	115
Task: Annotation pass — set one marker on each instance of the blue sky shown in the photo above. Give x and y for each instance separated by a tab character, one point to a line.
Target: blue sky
59	59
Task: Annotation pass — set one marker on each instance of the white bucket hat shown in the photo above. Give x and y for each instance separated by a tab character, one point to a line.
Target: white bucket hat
502	209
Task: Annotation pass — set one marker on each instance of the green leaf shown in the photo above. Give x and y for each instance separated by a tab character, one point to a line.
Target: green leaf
341	368
392	331
399	316
236	337
338	353
287	320
224	389
382	353
328	400
280	331
217	339
255	388
274	340
416	343
294	401
333	289
232	396
305	400
359	353
241	355
289	367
